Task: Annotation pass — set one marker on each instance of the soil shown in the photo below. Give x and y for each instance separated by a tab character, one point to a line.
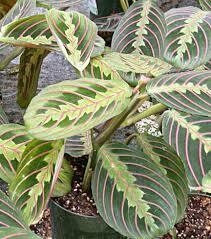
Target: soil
196	223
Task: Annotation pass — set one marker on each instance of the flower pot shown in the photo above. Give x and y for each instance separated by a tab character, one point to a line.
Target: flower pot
67	225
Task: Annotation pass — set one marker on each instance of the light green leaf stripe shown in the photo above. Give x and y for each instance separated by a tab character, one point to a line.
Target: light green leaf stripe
72	107
75	35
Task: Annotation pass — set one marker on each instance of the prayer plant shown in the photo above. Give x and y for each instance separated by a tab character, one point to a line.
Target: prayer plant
139	191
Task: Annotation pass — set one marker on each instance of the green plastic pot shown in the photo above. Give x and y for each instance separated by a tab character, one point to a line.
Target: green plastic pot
69	225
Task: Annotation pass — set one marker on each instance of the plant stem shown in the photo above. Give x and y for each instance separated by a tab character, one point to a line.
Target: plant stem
155	109
116	122
87	175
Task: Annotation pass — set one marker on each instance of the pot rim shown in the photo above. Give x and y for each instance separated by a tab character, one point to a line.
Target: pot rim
76	214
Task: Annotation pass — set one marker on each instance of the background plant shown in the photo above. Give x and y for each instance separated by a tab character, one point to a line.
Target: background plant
140	192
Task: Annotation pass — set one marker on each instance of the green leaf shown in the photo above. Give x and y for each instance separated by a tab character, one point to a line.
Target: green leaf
162	154
64	180
30	32
205	4
13	141
17	233
99	46
72	107
3	116
137	63
79	145
29	71
188	40
36	176
141	30
20	9
190	136
75	35
132	193
187	91
10	216
61	4
101	69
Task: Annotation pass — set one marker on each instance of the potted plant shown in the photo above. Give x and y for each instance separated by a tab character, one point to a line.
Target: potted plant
140	192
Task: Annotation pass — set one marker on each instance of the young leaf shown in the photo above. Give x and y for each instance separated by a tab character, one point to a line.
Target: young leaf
188	40
137	63
10	216
17	233
36	176
13	141
64	180
75	35
141	30
79	145
29	71
190	136
160	152
72	107
187	91
132	193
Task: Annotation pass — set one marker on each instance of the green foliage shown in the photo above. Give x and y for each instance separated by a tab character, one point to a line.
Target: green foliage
140	192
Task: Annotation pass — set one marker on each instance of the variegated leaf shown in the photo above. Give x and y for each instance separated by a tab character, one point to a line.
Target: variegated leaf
59	4
191	138
73	107
188	91
31	31
160	152
132	193
75	35
79	145
208	65
99	46
36	176
3	116
141	30
205	4
29	71
9	215
100	69
188	40
21	9
13	141
137	63
64	180
17	233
